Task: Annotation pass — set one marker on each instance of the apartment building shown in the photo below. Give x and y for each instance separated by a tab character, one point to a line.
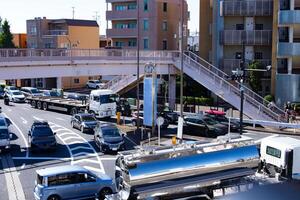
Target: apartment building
286	51
43	33
231	29
159	22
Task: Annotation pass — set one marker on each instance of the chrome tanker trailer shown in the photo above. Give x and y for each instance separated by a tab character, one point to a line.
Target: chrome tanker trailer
167	172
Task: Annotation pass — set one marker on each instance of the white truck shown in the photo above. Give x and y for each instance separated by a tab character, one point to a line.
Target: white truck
281	155
103	103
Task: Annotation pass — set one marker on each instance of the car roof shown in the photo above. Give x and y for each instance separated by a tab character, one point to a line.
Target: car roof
51	171
108	125
215	112
29	88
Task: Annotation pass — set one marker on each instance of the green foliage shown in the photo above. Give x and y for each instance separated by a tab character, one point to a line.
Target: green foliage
199	101
6	37
255	77
269	98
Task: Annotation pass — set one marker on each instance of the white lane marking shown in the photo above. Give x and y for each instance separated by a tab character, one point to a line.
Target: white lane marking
108	158
80	147
57	130
79	142
23	136
9	110
24	120
71	137
85	160
85	154
65	133
61	119
13	183
37	118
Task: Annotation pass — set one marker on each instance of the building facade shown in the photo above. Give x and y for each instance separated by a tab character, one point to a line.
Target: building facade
20	40
231	29
43	33
267	31
159	22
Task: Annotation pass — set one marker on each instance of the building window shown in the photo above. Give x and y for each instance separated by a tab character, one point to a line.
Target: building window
146	43
120	7
32	30
165	6
119	44
146	7
258	55
259	27
76	80
132	6
165	44
239	26
132	25
165	26
146	24
132	43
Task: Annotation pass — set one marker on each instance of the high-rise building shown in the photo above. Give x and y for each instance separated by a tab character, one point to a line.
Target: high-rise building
231	30
267	31
43	33
159	22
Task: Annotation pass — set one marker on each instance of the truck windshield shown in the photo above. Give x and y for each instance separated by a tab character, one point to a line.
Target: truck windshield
39	180
109	98
4	133
42	132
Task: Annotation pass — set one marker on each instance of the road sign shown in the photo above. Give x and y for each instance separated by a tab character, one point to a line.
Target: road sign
160	121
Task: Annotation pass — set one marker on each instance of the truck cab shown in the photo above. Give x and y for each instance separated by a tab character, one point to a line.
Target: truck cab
103	103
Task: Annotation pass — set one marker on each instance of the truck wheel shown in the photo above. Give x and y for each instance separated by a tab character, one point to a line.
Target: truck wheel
33	104
39	105
104	192
73	111
45	106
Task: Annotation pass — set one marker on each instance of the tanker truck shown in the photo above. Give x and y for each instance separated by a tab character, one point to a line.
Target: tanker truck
182	170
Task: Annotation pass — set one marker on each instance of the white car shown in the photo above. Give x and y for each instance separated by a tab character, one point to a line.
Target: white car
9	88
31	91
16	96
95	84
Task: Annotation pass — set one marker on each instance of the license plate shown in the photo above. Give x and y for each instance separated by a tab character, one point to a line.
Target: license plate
114	149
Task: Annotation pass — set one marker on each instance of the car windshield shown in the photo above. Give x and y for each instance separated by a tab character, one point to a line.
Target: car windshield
16	93
35	91
12	88
109	98
110	132
2	122
4	133
42	132
88	118
209	121
96	82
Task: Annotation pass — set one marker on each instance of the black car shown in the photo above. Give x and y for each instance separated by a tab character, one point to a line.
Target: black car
84	122
135	119
109	138
234	126
204	126
123	107
80	97
41	136
167	113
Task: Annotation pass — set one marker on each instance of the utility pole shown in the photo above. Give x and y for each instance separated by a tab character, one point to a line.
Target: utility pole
73	12
242	66
96	17
138	65
181	52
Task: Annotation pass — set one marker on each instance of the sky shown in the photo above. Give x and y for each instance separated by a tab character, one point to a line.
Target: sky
18	11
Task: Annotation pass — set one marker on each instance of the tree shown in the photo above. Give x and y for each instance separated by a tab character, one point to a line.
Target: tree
255	77
6	37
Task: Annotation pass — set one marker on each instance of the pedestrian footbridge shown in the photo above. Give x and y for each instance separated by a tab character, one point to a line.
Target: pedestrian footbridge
27	63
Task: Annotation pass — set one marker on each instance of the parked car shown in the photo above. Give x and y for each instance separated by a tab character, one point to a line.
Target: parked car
95	84
5	135
108	137
2	92
167	113
220	117
84	122
16	96
76	96
50	93
31	91
123	106
141	120
41	136
204	126
71	182
8	88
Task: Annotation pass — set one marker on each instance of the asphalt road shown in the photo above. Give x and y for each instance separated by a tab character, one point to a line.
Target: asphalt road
17	167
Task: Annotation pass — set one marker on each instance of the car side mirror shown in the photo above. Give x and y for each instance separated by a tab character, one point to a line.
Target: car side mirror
98	136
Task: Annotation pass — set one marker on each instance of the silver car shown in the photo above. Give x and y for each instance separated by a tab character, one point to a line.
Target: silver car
71	182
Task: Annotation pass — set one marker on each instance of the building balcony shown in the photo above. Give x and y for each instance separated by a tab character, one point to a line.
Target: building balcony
247	8
121	33
286	49
289	17
240	37
57	32
232	64
121	15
